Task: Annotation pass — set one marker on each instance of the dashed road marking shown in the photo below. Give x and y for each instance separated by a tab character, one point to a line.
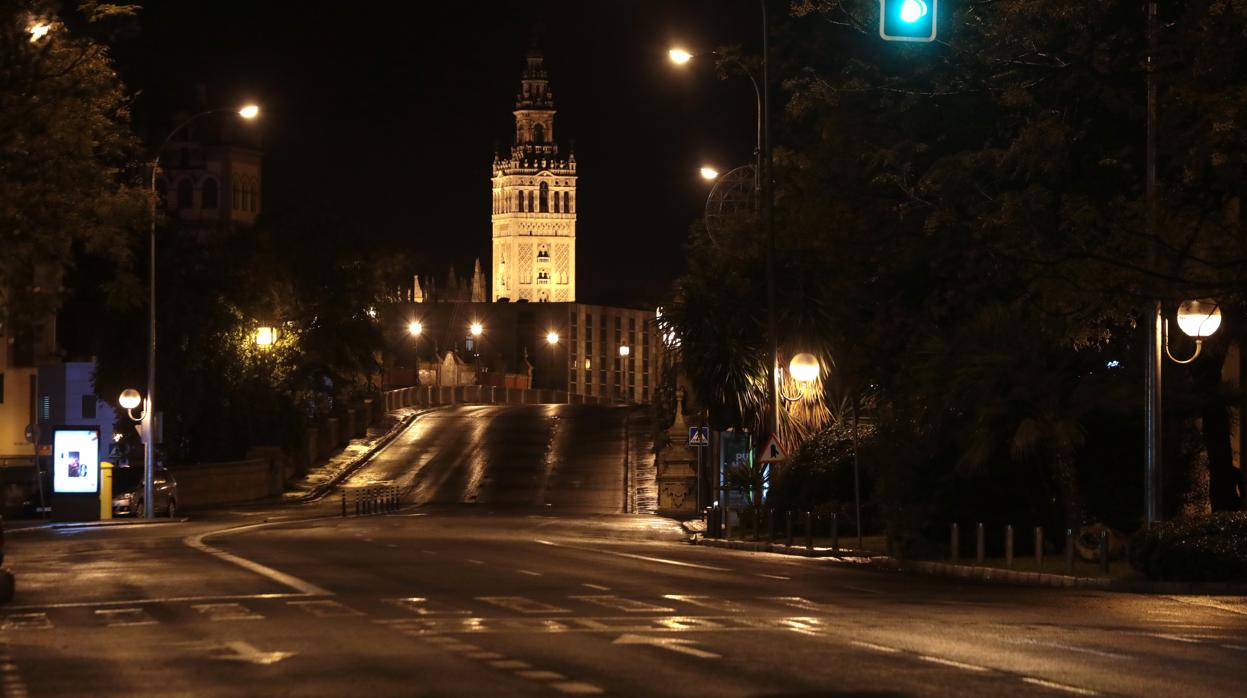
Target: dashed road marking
529	573
708	602
428	552
421	606
1059	686
577	688
26	621
620	604
873	646
799	602
952	663
226	611
324	608
510	664
124	617
775	576
634	556
541	675
598	587
476	562
521	604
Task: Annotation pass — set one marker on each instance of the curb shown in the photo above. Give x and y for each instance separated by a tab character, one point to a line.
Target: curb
95	524
778	548
327	486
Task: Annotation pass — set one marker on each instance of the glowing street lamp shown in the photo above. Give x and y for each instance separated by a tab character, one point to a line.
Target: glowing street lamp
804	369
249	111
38	31
679	56
709	173
414	328
552	337
476	329
265	337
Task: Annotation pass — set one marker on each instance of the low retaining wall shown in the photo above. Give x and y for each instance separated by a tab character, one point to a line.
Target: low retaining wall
213	484
429	395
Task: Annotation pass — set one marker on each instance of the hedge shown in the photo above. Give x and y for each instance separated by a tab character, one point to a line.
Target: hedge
1210	548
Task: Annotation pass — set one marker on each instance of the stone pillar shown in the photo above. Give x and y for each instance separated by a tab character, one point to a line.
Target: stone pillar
677	471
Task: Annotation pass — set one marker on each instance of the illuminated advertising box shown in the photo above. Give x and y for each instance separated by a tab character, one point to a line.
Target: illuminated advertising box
75	460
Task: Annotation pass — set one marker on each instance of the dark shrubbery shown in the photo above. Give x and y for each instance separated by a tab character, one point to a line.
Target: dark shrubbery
1199	549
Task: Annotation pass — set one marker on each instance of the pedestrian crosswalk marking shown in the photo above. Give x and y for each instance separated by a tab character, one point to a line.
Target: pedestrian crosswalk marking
324	608
621	604
226	611
521	604
123	617
708	602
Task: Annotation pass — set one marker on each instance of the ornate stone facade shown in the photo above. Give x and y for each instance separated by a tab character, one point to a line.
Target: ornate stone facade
534	202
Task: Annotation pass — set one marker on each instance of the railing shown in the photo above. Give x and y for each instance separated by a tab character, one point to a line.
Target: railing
371	500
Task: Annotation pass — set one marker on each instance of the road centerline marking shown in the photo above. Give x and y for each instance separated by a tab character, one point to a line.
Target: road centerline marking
635	556
1059	686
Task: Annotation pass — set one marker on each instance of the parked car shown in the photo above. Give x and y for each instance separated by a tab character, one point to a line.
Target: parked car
128	492
7	581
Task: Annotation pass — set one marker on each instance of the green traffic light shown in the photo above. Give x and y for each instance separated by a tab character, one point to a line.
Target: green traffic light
908	20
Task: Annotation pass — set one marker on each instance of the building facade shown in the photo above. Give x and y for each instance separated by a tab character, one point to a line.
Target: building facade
209	176
534	202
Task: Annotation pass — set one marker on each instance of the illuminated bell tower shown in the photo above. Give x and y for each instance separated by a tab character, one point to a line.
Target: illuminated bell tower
534	202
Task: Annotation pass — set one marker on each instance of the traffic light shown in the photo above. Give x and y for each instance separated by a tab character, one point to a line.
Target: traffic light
908	20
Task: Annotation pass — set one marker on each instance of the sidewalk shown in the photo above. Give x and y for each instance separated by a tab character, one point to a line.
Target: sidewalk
18	525
983	574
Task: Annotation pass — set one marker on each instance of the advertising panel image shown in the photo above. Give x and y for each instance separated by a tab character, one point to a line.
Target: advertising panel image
75	460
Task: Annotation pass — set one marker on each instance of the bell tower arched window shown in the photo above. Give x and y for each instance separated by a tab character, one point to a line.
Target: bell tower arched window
519	201
567	202
545	197
539	133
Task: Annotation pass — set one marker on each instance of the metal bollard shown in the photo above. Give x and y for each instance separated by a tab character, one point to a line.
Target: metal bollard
1039	548
809	530
835	533
1009	547
1069	551
1104	551
788	528
978	544
954	545
344	504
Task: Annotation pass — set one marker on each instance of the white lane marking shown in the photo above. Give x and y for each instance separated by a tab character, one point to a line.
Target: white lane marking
599	587
952	663
476	562
306	588
1210	603
1060	686
26	621
799	602
675	644
510	664
521	604
325	608
774	576
647	558
245	652
162	600
1240	648
541	675
420	606
428	552
226	611
390	545
865	590
626	605
873	646
124	617
708	602
529	573
1070	648
1175	638
577	688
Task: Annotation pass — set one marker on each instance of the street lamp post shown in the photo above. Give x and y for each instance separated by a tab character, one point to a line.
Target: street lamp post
624	352
249	112
764	191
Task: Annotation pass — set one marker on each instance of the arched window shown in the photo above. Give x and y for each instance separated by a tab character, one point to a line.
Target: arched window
210	194
539	133
519	201
556	202
186	193
545	197
567	202
530	201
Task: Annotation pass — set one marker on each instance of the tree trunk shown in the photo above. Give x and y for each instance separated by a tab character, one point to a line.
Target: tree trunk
1066	477
1222	475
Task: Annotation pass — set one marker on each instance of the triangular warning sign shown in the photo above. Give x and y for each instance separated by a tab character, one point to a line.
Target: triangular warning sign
771	452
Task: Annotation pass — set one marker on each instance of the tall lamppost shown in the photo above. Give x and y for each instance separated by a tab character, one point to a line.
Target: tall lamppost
624	352
131	398
552	341
764	189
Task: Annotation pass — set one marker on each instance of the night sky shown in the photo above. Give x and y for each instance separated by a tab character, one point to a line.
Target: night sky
391	118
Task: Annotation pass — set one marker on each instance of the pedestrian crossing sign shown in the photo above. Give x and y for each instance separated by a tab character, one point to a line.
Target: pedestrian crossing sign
699	436
771	452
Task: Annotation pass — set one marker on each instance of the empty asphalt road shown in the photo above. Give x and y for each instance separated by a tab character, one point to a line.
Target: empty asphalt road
494	580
